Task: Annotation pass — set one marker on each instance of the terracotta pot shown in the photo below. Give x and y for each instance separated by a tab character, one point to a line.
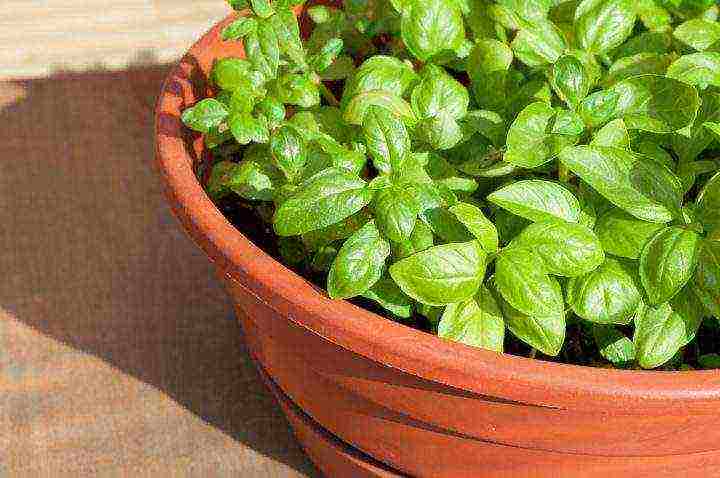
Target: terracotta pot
355	385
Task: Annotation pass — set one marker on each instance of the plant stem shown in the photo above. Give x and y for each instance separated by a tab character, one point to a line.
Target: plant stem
328	95
533	352
563	173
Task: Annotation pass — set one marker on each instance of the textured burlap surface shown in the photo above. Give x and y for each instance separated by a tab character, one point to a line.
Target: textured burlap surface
119	353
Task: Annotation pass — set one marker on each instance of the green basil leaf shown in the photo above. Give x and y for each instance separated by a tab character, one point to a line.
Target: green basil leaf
298	89
420	239
707	276
261	8
396	211
487	123
239	28
662	330
640	64
667	262
358	107
319	238
714	127
698	33
699	69
287	30
689	142
432	30
439	92
230	73
529	9
341	68
538	43
273	111
441	131
386	138
657	153
522	280
539	133
646	42
442	274
608	295
247	129
624	235
709	204
262	49
567	249
340	156
359	263
306	124
613	134
602	25
508	225
289	152
613	345
653	15
710	300
528	93
238	4
330	121
640	186
477	322
255	180
647	102
382	73
475	221
488	66
588	195
538	200
545	333
414	172
588	211
322	60
447	176
590	64
479	20
206	114
381	182
324	199
570	80
242	100
505	18
445	225
389	296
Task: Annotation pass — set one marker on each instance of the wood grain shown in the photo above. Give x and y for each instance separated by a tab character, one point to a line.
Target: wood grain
119	352
39	37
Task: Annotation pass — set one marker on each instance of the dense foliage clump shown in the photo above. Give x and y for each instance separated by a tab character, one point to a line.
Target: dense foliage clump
544	167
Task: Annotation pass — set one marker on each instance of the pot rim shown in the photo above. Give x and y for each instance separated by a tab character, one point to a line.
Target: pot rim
370	335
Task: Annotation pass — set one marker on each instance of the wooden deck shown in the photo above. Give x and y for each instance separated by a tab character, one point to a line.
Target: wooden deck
119	352
38	37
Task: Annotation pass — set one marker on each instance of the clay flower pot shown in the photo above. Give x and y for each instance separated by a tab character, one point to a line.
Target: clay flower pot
370	397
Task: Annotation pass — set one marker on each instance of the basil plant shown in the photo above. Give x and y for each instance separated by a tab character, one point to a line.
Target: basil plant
473	167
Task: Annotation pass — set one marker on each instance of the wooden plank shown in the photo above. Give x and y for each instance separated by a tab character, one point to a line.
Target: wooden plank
41	37
119	355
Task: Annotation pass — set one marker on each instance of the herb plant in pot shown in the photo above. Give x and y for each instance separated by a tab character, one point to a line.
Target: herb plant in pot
535	182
